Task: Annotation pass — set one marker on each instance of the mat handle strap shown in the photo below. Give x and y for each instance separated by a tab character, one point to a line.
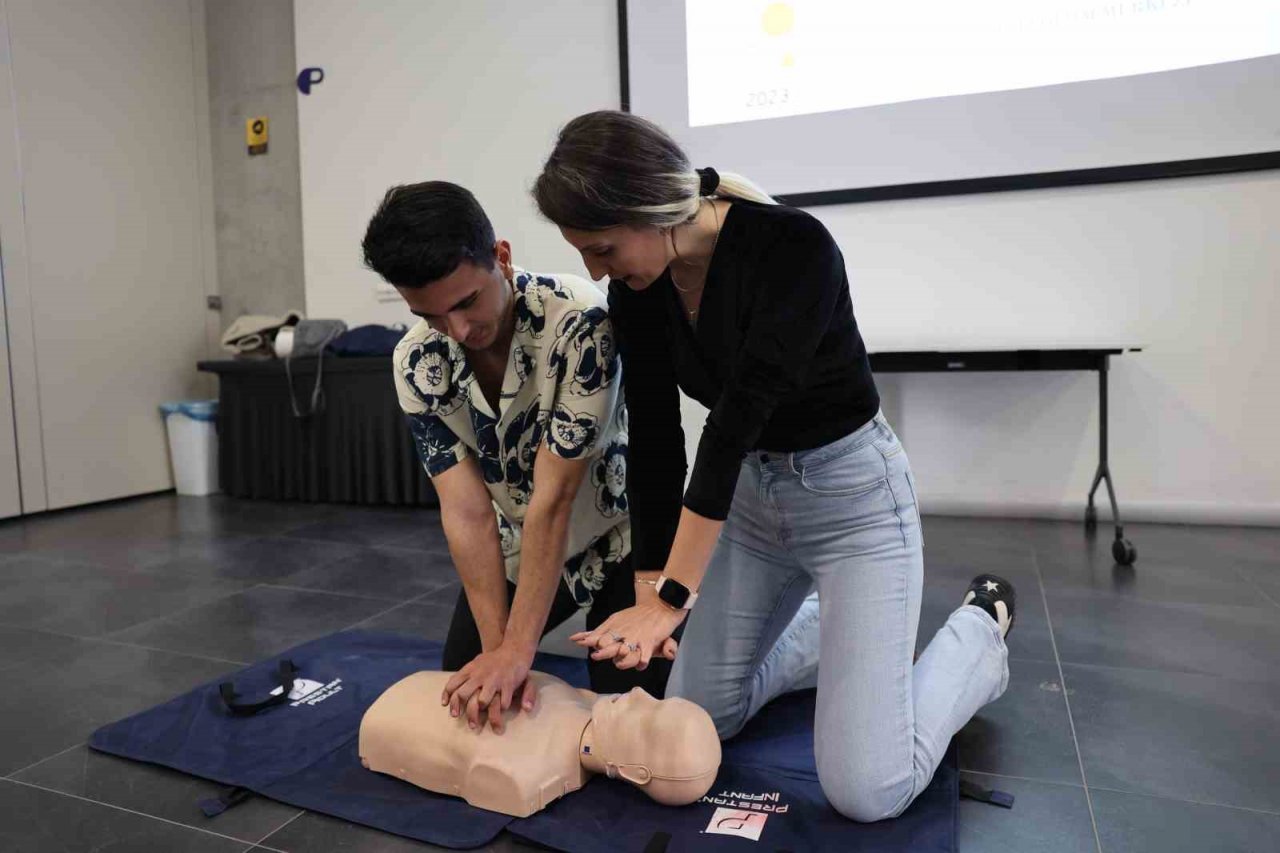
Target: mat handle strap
215	806
658	843
974	791
284	674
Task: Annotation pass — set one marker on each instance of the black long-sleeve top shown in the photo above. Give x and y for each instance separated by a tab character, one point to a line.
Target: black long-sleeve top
775	356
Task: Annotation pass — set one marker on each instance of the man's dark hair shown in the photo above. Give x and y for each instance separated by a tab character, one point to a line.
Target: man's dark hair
422	232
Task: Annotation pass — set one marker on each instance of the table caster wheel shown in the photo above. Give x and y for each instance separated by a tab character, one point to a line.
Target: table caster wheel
1124	552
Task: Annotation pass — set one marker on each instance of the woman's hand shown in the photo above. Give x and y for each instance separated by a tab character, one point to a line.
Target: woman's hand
633	636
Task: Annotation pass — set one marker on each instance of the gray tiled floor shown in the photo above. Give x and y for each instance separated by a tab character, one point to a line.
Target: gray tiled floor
1141	713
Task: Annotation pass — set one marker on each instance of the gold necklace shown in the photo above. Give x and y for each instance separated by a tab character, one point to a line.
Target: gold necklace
715	241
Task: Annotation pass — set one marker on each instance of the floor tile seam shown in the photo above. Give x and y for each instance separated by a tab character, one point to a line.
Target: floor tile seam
1167	671
1068	577
262	841
1150	796
1037	779
62	560
43	760
1066	699
129	565
166	820
316	541
418	599
1020	659
370	618
258	845
190	607
413	549
1268	597
1252	582
355	596
1167	568
1179	607
112	642
208	658
249	539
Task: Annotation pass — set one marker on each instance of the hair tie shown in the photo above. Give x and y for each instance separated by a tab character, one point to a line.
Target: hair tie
710	181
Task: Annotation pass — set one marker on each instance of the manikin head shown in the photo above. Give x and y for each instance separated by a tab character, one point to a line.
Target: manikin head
669	748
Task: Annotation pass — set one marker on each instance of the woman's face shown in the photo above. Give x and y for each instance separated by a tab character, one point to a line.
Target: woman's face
635	255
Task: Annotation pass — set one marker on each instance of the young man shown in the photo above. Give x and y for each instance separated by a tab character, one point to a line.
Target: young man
510	383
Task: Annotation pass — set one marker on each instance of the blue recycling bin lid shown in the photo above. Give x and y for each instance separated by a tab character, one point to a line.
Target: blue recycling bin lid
197	410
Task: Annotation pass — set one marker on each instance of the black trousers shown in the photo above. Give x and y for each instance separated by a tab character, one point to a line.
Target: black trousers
618	593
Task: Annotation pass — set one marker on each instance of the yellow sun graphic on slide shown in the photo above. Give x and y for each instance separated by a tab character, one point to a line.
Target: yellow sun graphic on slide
777	20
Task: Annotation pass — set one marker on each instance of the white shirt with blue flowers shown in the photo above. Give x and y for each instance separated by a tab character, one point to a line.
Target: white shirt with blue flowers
562	390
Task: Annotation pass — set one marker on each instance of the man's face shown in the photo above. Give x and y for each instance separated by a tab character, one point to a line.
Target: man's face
636	256
470	304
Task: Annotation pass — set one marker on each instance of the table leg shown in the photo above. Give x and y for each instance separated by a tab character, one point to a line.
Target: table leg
1121	549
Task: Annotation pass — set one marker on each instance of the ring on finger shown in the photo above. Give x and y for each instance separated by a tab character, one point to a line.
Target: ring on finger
617	638
633	647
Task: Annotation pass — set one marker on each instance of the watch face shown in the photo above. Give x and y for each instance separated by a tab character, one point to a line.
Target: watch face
673	593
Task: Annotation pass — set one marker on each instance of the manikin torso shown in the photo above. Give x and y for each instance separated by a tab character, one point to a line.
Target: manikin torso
542	754
410	735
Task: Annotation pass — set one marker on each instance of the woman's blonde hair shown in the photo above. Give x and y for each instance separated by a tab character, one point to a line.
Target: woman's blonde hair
611	168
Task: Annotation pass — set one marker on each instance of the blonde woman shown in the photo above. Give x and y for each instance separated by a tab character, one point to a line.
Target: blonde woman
799	482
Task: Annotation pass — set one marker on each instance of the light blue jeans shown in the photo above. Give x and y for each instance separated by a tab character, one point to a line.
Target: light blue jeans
842	518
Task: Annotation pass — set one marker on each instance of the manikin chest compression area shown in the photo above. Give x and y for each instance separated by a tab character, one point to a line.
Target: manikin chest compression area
667	748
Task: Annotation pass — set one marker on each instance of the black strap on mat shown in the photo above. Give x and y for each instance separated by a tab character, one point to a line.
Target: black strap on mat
658	842
230	798
974	791
285	675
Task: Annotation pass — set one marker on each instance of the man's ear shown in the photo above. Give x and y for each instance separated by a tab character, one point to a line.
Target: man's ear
502	253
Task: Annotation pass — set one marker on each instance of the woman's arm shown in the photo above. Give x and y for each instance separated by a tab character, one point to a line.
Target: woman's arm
656	465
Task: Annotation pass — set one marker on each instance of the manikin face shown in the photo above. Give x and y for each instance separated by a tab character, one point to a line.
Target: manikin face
471	304
638	706
668	747
635	255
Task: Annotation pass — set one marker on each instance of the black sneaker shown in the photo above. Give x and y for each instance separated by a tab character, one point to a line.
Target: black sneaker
990	591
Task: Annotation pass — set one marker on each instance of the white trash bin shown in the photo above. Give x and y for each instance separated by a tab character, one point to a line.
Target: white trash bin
193	445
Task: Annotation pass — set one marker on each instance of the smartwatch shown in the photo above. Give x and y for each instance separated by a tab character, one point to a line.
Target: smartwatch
675	594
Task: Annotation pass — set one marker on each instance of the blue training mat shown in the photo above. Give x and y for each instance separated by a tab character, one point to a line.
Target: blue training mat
304	752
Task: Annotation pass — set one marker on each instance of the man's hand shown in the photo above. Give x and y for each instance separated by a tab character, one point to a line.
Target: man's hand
489	685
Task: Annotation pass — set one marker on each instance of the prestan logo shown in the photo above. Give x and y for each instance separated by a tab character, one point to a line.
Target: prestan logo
308	692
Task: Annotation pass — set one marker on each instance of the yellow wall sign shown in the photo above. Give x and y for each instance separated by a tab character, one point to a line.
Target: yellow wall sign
255	134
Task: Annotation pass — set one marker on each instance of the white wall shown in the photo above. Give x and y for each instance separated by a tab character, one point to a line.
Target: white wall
467	92
1187	268
104	220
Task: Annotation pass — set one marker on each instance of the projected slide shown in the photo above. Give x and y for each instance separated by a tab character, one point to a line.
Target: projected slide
757	59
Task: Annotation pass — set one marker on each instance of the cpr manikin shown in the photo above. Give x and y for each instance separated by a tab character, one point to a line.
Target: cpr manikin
669	748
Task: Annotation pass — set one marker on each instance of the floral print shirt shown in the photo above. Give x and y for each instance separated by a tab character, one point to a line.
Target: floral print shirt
561	391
